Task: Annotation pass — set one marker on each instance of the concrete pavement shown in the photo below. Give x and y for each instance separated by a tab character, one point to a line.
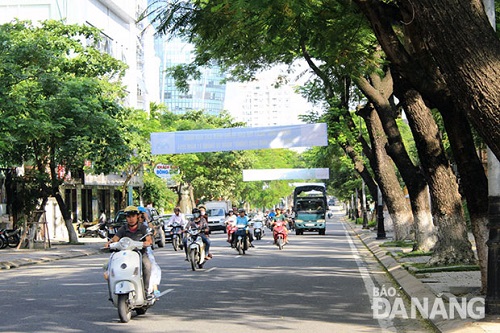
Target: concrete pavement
429	286
439	287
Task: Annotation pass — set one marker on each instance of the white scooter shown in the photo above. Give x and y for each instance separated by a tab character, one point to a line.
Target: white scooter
125	281
195	248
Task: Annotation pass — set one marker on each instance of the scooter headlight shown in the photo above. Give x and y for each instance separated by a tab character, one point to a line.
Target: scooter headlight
125	243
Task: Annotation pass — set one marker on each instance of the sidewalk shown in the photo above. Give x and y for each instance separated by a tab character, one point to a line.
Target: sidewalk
429	285
13	258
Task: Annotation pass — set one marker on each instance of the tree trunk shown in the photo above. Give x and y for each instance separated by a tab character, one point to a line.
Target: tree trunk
73	238
453	54
379	91
459	39
473	182
453	246
385	174
360	168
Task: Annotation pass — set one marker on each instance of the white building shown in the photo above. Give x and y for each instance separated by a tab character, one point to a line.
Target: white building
125	40
259	103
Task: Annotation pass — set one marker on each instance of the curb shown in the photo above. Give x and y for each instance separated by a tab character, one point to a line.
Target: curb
71	253
413	287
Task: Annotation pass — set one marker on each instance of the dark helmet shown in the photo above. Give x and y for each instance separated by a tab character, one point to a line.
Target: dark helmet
241	210
196	212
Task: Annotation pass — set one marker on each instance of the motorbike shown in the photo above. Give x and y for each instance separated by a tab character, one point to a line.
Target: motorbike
258	230
195	248
176	232
125	280
10	238
280	232
88	229
240	239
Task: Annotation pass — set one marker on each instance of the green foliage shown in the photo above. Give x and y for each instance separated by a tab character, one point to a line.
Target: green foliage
58	101
156	191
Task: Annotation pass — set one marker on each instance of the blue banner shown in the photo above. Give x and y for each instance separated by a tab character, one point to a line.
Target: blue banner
240	138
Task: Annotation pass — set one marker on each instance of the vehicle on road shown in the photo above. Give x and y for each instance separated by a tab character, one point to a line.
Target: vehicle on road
310	205
125	279
279	233
258	229
195	248
154	219
216	212
240	239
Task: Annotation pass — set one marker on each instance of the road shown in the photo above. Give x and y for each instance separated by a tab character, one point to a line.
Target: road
316	284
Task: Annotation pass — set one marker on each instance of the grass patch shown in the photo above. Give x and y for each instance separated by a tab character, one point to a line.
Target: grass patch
397	244
415	254
423	268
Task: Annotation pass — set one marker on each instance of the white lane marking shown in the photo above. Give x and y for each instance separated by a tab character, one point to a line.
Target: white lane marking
385	324
166	292
211	269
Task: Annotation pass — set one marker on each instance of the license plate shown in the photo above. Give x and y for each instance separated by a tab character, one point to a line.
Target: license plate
309	224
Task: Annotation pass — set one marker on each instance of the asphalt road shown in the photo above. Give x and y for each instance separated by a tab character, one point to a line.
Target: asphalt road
316	284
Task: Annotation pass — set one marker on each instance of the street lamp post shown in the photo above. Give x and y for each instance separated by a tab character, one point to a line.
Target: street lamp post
380	216
492	301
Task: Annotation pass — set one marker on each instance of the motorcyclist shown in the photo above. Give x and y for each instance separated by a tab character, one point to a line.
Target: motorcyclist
201	223
279	218
242	219
230	222
137	232
177	217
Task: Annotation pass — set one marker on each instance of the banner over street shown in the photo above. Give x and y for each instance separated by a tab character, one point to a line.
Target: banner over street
241	138
280	174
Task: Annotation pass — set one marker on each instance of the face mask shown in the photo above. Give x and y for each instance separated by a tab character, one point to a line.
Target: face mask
196	215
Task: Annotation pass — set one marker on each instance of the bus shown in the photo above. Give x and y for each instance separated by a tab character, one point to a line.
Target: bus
310	206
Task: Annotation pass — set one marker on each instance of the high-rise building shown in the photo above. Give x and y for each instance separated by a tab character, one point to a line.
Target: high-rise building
206	93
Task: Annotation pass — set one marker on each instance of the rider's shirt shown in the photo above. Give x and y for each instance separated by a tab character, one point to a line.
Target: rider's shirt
279	217
242	220
136	235
177	219
231	220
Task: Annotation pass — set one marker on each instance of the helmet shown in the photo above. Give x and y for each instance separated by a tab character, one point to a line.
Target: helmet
202	207
141	209
196	212
130	210
241	210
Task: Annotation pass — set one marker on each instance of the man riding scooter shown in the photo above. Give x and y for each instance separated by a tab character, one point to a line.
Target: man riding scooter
138	232
201	223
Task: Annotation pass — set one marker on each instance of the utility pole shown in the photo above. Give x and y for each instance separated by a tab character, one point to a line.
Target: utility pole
493	286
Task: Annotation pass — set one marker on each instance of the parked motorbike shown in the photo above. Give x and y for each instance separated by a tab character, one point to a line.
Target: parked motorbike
195	248
240	239
88	229
125	280
258	229
10	238
279	231
176	233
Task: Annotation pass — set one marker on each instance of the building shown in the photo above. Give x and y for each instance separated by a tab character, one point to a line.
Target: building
124	39
260	103
206	93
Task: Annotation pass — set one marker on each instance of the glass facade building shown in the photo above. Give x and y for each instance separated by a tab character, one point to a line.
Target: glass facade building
206	94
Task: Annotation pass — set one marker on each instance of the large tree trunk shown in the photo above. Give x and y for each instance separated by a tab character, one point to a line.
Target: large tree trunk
473	182
385	174
453	53
453	246
379	90
459	39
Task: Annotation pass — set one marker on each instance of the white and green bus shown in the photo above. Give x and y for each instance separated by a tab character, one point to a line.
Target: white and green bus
310	206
